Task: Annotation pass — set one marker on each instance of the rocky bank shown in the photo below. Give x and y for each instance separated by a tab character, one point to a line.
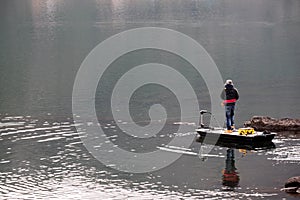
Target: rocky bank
262	123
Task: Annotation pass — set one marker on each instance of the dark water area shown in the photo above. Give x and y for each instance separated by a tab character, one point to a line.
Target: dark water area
43	43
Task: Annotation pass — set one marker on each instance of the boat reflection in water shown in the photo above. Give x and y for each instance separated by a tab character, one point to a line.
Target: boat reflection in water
230	175
230	178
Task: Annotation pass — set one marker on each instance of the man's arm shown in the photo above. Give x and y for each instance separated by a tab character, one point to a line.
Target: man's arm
237	94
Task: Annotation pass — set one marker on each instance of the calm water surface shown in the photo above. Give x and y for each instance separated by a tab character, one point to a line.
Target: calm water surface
43	43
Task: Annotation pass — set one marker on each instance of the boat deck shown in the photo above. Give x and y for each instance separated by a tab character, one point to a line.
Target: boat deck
223	131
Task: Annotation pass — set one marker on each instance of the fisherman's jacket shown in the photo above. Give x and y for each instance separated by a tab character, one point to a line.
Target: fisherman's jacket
230	95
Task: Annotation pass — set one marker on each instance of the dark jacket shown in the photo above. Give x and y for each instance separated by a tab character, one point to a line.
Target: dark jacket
230	95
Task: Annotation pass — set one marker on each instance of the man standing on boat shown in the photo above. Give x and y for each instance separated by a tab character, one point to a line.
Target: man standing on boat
229	95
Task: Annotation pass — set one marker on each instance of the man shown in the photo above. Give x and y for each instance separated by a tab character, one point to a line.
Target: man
229	95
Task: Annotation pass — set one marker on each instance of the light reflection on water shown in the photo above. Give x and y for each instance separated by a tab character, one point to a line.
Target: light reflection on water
286	153
46	159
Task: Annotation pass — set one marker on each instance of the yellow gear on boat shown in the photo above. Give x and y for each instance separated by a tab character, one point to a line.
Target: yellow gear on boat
246	131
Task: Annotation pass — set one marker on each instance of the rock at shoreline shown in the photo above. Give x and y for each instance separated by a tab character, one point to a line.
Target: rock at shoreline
264	123
292	185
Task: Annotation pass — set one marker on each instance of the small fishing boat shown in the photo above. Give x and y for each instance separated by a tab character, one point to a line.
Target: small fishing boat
242	136
238	145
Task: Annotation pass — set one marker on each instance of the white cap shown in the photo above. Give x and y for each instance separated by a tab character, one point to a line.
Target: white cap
228	82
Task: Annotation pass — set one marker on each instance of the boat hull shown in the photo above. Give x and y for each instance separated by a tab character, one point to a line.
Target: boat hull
256	140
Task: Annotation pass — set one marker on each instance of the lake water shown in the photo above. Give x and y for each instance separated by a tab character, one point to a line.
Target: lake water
43	43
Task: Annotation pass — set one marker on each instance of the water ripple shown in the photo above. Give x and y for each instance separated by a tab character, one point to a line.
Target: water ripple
45	159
